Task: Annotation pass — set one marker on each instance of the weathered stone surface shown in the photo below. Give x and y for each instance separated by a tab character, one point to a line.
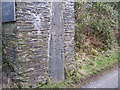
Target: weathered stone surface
9	49
0	46
69	27
33	24
56	58
29	41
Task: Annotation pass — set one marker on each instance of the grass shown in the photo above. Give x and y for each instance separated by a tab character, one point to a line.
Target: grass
87	68
101	62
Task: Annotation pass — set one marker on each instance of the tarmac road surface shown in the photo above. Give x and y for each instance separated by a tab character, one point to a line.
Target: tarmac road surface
109	80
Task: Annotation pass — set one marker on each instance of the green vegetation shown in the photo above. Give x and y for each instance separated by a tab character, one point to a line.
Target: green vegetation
99	63
86	69
95	36
96	27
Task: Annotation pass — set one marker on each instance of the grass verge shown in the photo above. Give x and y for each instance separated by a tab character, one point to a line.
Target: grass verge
87	69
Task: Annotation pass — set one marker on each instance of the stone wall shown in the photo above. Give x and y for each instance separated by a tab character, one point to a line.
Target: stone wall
33	24
0	48
9	51
69	27
29	41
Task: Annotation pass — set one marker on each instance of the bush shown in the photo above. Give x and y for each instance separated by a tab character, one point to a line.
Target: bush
96	25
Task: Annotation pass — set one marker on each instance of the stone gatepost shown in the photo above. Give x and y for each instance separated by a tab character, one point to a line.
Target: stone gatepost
56	57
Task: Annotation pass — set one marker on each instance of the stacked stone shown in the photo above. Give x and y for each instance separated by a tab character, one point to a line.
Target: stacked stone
9	52
30	40
33	24
69	27
9	37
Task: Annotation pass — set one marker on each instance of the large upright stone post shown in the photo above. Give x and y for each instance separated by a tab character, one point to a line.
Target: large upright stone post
56	60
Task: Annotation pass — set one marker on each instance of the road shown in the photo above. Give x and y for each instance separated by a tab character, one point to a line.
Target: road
109	80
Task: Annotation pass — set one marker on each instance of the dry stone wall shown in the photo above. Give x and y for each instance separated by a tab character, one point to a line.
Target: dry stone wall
9	51
29	41
69	27
33	24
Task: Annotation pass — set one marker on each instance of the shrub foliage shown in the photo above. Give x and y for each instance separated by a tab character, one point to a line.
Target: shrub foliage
96	26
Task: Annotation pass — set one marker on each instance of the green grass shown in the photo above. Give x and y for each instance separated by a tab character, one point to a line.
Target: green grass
101	62
90	67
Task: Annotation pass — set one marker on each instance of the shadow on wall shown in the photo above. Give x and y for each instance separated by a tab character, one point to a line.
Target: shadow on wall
9	53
